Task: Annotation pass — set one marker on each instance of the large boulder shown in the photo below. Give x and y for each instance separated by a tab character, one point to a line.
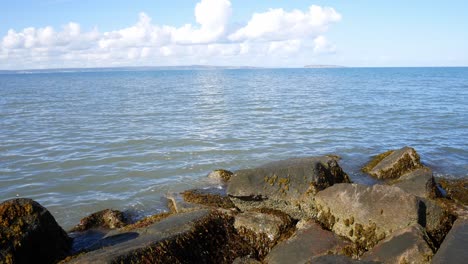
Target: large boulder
286	185
201	236
394	163
408	245
368	214
30	234
454	247
309	241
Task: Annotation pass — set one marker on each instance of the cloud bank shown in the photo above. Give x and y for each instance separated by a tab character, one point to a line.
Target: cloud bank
273	37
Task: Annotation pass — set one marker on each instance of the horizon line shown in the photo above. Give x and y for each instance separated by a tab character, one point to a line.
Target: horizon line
194	66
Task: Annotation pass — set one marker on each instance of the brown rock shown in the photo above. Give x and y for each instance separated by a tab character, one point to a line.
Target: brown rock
457	189
393	164
308	242
287	185
262	228
405	246
30	234
202	236
108	218
222	175
208	198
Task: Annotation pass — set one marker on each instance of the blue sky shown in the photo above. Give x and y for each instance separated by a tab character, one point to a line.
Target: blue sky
85	33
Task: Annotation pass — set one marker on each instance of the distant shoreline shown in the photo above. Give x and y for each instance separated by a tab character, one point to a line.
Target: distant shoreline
197	67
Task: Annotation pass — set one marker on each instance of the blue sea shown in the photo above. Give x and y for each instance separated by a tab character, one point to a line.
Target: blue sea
78	142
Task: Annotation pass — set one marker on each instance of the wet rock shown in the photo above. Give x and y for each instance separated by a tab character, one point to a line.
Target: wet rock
222	175
107	218
208	198
408	245
338	259
176	204
454	247
309	241
419	182
30	234
287	185
202	236
263	228
368	214
457	189
392	164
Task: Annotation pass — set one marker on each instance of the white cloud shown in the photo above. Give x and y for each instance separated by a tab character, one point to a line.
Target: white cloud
277	24
275	32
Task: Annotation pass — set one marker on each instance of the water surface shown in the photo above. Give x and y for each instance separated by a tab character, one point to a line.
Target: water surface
79	142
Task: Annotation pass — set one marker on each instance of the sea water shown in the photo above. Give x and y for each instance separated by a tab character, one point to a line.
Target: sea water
78	142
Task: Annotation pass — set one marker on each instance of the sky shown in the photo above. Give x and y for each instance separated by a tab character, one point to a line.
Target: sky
263	33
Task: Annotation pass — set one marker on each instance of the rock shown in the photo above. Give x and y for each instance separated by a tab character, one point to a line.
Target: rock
457	189
222	175
286	185
30	234
246	260
208	198
454	247
306	243
419	182
392	164
338	259
405	246
201	236
368	214
108	218
176	204
262	228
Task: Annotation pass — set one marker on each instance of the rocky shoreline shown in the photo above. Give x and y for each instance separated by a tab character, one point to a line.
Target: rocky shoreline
302	210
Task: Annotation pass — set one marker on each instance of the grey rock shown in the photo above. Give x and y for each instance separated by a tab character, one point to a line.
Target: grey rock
309	241
287	185
393	164
419	182
405	246
30	234
454	246
338	259
368	214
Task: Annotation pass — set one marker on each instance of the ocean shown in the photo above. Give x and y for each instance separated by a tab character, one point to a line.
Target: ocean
78	142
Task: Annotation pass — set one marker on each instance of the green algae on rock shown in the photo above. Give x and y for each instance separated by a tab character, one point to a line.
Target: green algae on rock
394	163
30	234
222	175
107	218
